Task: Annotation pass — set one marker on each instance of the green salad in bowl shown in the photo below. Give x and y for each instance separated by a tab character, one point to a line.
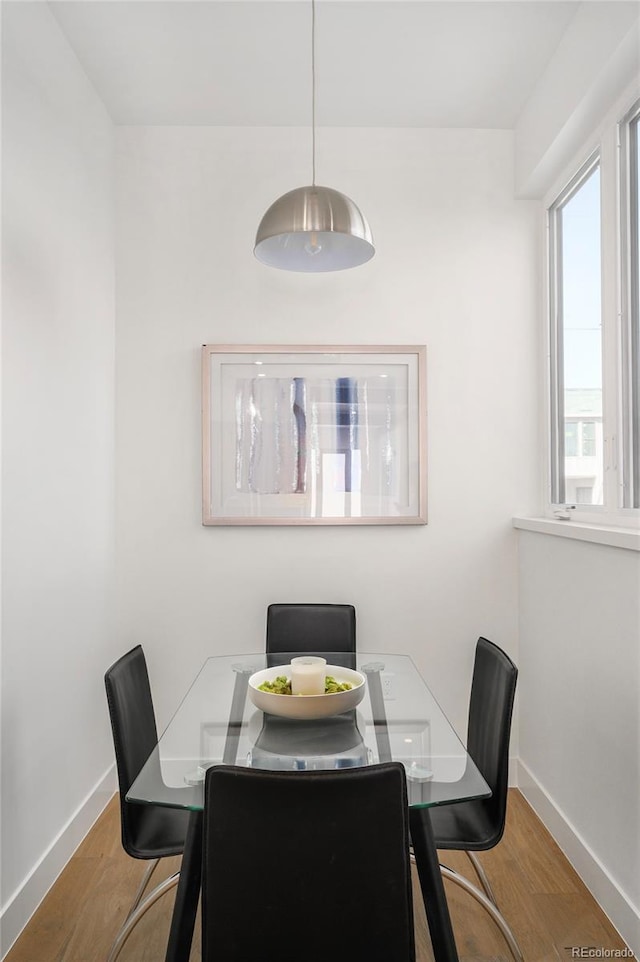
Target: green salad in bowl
344	689
281	685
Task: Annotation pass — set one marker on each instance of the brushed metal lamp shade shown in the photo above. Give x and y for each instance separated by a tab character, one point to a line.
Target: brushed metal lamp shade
314	229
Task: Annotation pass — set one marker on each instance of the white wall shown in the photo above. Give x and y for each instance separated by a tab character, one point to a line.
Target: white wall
580	711
454	269
579	636
596	59
58	449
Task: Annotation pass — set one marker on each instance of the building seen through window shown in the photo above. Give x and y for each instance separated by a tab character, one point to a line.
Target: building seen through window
583	446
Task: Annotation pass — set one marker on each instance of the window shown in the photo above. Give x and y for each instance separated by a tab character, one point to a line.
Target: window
570	439
580	441
584	495
575	245
594	328
589	439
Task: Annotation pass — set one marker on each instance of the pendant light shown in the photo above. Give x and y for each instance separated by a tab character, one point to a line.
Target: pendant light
314	228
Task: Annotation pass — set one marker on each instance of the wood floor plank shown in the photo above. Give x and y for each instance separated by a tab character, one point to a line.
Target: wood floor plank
102	841
539	893
546	869
94	931
47	935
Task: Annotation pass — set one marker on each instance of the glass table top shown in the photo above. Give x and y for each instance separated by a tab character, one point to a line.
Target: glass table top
398	719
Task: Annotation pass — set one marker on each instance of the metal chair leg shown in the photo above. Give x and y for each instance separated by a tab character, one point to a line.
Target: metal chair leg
151	867
497	917
133	919
482	875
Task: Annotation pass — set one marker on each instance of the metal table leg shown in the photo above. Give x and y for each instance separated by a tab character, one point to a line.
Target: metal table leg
435	902
426	856
183	919
186	905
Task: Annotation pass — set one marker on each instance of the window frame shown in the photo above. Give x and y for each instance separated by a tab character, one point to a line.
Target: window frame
605	146
556	345
628	149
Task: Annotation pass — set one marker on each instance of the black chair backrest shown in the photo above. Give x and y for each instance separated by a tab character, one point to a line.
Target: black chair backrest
493	689
307	866
135	735
311	628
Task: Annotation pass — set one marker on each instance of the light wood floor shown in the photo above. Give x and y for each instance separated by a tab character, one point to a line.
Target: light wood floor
547	906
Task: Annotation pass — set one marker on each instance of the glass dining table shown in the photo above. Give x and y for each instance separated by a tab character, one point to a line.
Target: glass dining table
398	719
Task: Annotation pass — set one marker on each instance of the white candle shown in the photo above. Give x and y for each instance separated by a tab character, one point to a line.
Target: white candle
307	675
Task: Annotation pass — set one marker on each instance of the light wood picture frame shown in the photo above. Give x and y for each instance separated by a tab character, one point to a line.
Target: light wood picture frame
313	435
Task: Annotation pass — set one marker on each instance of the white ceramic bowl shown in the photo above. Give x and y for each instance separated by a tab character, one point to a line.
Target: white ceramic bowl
307	706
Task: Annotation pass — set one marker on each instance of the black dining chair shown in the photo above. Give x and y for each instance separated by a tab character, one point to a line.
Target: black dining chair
478	825
307	866
312	628
149	832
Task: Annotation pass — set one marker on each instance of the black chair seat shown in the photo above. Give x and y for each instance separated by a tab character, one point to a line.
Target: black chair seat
467	825
478	825
135	736
149	832
157	832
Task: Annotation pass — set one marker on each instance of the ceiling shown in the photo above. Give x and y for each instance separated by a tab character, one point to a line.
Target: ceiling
406	63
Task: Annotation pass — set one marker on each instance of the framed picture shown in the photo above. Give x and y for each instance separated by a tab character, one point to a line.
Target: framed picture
314	435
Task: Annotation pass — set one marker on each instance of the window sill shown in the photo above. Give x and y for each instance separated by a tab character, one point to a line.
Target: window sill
597	533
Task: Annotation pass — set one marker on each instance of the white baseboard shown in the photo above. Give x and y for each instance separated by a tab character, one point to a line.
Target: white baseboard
25	900
612	900
513	771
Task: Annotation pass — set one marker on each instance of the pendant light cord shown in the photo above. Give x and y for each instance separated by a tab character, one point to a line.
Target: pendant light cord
313	92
